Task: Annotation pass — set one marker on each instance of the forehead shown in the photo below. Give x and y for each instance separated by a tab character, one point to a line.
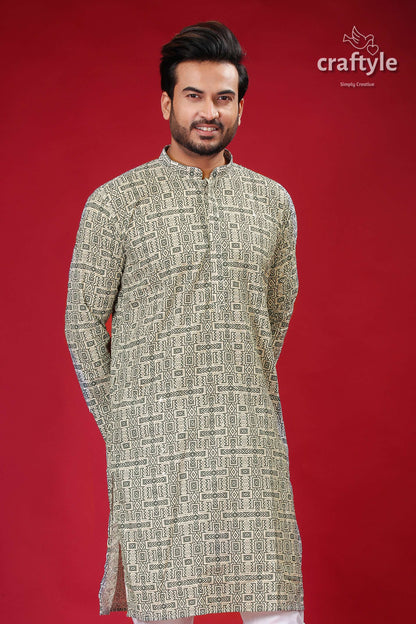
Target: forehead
206	75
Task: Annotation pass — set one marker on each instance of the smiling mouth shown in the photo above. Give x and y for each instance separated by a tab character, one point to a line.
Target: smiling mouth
206	130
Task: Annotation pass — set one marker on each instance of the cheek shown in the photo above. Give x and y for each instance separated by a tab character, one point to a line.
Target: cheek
231	121
231	115
184	116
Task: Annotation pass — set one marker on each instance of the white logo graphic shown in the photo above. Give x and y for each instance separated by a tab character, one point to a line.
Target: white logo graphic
359	41
358	62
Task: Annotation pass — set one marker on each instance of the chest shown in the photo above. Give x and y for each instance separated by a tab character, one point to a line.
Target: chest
185	227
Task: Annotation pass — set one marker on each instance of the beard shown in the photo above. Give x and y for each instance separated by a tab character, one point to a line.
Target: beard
205	146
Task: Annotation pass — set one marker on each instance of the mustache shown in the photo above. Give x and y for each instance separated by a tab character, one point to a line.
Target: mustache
213	122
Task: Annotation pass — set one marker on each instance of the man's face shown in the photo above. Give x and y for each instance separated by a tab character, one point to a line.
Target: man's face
205	113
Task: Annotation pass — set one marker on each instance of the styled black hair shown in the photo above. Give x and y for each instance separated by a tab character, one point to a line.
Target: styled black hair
205	41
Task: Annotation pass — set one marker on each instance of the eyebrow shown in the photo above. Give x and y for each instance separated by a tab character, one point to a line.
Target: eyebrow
223	92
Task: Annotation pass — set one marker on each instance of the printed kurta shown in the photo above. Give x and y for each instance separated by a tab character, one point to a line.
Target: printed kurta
200	277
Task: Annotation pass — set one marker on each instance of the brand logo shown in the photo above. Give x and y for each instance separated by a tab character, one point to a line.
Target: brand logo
365	57
359	41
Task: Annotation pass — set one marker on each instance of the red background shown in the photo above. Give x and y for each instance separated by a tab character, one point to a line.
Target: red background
80	105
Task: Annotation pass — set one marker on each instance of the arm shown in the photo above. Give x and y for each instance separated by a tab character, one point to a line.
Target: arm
94	280
282	287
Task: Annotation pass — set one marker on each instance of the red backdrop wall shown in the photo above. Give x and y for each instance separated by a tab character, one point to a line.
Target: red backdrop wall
80	105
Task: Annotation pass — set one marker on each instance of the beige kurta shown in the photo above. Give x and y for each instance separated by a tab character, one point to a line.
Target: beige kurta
200	276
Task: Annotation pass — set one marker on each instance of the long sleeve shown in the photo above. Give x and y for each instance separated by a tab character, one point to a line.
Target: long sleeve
94	280
283	282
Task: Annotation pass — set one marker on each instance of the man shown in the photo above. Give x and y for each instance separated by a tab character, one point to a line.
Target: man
194	256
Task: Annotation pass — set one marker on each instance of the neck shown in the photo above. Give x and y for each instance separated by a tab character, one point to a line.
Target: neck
185	157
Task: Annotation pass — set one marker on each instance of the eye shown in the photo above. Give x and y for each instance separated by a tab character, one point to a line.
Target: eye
193	96
225	98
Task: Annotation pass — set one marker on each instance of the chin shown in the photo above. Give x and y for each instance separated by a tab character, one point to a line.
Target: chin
210	152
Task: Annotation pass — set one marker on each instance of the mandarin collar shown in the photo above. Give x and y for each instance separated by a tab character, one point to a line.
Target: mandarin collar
196	171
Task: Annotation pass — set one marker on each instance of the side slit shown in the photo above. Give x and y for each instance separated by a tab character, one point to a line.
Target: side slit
119	602
113	593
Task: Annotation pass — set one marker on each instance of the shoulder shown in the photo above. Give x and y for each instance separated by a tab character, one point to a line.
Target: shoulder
126	183
120	194
267	189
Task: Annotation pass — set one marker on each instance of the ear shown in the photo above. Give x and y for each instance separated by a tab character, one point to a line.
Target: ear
240	110
166	104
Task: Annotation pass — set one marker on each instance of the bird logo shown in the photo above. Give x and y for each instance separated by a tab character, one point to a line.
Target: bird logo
360	41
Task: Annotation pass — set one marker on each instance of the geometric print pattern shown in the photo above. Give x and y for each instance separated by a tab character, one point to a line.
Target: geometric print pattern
200	277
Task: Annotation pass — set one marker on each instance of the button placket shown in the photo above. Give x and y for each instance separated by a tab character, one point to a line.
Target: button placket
212	223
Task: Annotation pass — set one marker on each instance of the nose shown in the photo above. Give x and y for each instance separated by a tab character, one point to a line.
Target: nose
209	110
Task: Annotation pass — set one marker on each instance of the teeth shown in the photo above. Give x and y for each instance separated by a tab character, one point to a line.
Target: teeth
206	129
